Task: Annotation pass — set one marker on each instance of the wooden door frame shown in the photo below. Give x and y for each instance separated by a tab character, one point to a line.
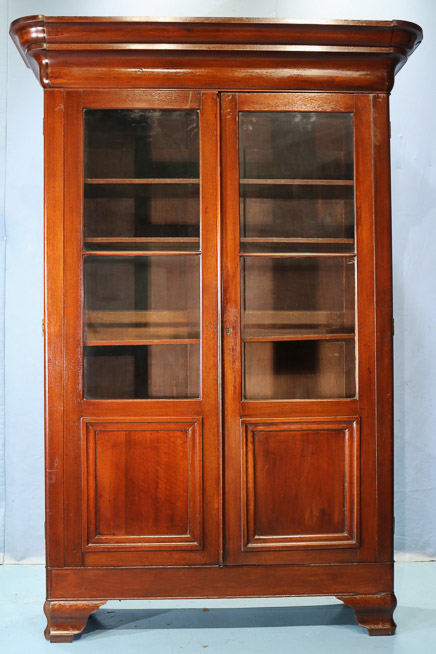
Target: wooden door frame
66	252
373	405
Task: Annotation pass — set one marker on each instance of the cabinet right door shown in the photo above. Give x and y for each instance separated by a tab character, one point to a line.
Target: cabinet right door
298	311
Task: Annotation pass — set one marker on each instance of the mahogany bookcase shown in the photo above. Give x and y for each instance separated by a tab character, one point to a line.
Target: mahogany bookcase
218	310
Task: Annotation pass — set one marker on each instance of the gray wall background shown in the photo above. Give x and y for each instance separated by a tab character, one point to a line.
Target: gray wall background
413	105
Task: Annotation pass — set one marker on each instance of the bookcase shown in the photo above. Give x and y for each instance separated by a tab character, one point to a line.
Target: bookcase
218	310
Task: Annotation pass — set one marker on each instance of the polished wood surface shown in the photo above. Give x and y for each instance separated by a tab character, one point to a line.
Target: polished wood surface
213	581
53	324
277	473
217	53
66	619
142	486
206	452
227	433
374	612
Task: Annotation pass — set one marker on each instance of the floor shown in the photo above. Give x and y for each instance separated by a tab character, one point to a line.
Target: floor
269	626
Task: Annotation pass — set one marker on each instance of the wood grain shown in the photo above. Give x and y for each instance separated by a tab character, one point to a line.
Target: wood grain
72	351
374	612
217	54
229	581
216	495
384	329
284	464
53	324
66	619
364	175
142	485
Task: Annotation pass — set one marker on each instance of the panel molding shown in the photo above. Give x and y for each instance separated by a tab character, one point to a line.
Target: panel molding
350	536
95	542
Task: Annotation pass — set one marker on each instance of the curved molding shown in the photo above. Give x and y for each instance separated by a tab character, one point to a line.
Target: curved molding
67	618
29	36
373	612
274	54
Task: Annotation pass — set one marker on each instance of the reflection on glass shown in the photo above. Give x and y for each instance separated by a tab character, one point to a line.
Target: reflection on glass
297	190
301	369
307	218
297	296
139	143
296	145
168	371
141	298
135	308
142	217
297	255
141	180
141	311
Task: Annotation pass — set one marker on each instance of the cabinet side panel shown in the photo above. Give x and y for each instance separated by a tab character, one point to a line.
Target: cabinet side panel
384	327
53	323
72	326
366	322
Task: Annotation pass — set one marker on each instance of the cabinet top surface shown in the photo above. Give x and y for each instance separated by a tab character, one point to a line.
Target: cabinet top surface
211	20
337	55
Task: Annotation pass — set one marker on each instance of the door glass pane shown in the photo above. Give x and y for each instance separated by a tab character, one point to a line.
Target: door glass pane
298	331
297	190
297	255
167	371
142	284
141	326
142	172
300	296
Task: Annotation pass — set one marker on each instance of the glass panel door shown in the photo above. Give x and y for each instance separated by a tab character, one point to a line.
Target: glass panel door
297	251
141	254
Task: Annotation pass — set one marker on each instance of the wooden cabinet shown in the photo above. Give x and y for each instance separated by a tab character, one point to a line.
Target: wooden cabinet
218	310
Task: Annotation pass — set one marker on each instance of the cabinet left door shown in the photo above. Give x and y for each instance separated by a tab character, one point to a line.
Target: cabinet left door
140	451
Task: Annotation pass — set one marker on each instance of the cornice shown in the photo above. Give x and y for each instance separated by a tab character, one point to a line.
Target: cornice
30	37
80	52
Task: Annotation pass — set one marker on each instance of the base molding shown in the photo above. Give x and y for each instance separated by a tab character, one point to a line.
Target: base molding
374	612
88	584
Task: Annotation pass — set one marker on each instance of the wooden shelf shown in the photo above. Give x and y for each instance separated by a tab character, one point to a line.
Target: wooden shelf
134	239
140	327
299	182
284	255
261	239
298	336
298	322
137	246
140	253
148	341
146	180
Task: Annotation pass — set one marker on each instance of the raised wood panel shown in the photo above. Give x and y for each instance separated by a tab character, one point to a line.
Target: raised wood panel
143	485
300	485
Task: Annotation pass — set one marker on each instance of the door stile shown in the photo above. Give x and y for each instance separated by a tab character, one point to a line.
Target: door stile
384	327
364	173
211	332
232	377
